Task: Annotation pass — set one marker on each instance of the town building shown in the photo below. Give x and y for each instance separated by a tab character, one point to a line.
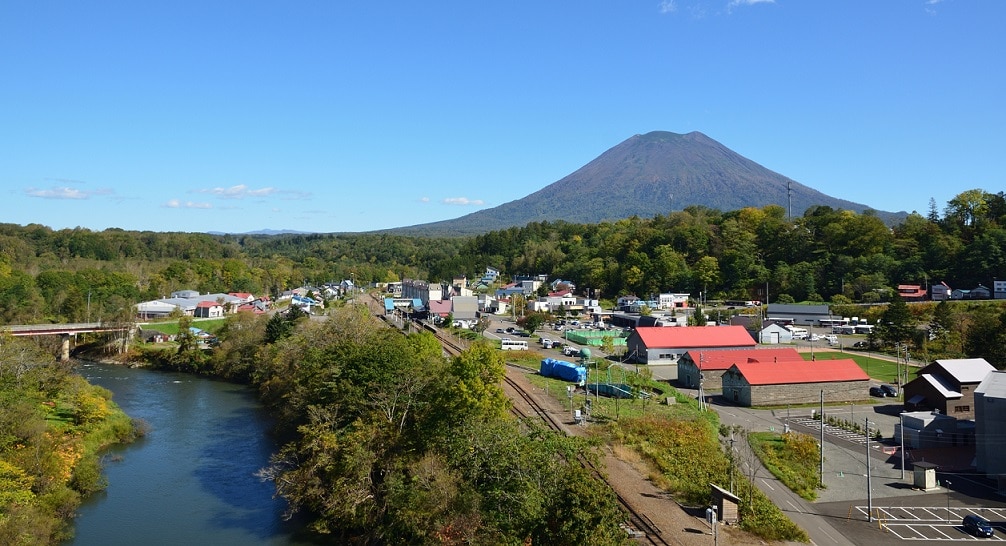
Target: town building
794	382
990	427
661	345
808	315
947	386
710	365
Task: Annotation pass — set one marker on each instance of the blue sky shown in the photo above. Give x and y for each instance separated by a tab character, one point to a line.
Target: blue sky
331	116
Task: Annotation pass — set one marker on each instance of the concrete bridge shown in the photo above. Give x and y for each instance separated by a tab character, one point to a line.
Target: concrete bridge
68	332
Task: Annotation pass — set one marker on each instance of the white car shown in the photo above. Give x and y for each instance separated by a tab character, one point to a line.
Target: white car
815	337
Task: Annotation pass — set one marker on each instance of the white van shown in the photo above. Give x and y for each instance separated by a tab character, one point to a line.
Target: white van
799	333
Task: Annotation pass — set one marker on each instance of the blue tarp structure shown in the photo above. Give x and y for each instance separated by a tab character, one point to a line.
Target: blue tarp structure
560	369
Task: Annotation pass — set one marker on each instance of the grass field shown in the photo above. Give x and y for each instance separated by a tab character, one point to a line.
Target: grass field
884	371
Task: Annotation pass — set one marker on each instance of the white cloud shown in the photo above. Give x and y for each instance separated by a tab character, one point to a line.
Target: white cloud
62	190
424	199
736	3
464	201
57	193
178	204
668	6
239	191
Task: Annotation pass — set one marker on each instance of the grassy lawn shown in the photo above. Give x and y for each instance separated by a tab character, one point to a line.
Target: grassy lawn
678	441
792	458
884	371
171	327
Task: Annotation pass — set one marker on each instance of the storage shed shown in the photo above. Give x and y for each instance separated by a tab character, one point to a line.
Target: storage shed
712	364
792	382
665	345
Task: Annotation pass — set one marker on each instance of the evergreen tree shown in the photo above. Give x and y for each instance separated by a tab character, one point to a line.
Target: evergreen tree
896	324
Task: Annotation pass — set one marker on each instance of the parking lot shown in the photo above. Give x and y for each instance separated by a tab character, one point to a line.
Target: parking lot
933	523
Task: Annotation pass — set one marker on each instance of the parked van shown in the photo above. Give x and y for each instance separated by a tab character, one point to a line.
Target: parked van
799	333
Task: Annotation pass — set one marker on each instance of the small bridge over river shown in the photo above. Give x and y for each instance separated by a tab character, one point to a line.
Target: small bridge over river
67	332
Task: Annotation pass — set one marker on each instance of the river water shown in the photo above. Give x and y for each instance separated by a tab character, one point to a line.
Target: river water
191	479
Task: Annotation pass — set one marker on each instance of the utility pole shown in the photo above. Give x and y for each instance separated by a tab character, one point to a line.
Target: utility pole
901	417
822	438
869	477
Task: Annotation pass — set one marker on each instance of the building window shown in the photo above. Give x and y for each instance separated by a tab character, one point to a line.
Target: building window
962	409
964	389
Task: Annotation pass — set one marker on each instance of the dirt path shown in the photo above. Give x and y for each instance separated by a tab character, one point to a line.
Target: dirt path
629	479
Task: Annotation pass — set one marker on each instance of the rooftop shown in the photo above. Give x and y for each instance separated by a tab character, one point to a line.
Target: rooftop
789	372
723	359
966	370
695	336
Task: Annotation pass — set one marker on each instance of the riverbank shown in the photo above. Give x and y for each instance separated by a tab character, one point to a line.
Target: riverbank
54	427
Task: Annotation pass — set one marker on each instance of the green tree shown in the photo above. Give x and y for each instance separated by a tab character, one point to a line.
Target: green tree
896	323
985	336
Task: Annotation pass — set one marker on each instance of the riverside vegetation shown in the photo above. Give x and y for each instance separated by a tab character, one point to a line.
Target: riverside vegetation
53	428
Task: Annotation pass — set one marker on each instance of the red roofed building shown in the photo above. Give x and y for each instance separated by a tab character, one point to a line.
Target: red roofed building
712	364
208	309
792	382
911	292
665	345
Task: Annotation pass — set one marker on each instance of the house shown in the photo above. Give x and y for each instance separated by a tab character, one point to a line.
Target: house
948	386
439	309
209	309
911	292
808	315
422	290
559	285
999	290
465	308
672	301
242	297
990	427
939	292
794	382
661	345
711	364
774	334
624	302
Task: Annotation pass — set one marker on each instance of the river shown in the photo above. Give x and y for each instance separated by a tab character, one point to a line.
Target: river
191	479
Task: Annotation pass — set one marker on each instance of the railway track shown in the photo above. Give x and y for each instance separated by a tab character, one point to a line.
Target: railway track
639	526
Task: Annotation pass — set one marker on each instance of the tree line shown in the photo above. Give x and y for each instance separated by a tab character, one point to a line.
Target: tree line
391	442
826	255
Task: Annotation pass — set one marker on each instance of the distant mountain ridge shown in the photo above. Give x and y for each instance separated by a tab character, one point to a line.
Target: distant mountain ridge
646	175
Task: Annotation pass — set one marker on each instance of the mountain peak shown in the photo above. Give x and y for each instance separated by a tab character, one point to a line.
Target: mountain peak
645	175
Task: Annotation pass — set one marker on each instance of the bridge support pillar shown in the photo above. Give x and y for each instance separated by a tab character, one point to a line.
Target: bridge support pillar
64	352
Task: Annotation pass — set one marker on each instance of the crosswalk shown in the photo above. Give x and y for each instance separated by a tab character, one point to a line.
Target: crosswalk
831	430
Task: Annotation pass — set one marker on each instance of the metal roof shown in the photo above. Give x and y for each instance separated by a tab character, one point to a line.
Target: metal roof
723	359
790	372
994	385
694	336
966	370
938	383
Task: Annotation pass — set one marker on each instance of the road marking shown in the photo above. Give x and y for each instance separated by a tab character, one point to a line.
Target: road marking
795	507
767	484
934	528
826	534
